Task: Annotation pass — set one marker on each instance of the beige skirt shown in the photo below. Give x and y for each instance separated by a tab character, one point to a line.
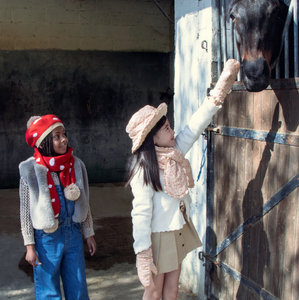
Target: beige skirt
171	247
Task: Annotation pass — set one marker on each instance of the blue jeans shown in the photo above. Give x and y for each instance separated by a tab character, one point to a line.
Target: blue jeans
61	254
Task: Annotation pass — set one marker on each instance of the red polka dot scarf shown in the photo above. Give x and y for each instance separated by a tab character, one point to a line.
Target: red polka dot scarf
177	171
63	164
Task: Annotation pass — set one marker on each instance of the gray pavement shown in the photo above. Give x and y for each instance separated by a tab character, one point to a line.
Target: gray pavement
118	282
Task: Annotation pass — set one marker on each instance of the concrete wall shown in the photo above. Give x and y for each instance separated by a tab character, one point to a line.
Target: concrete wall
94	93
109	25
193	29
93	63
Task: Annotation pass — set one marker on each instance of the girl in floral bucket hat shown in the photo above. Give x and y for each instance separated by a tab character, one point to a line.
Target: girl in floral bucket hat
54	200
160	176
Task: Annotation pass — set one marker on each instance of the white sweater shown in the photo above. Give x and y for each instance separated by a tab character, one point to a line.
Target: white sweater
157	211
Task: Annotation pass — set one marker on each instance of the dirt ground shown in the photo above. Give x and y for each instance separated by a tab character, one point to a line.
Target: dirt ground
111	272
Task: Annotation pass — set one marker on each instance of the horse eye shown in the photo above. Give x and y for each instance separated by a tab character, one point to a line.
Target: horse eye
232	16
276	11
273	10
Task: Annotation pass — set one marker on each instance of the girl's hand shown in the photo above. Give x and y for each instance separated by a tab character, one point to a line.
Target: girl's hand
145	266
31	256
92	246
225	81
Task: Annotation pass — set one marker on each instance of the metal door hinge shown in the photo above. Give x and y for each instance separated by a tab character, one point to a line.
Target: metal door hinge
215	129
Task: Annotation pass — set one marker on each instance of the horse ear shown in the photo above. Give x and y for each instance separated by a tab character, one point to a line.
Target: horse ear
287	2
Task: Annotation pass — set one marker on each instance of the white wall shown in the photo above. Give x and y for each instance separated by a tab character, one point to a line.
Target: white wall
193	25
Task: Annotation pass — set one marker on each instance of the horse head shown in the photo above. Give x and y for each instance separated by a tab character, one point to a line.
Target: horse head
258	30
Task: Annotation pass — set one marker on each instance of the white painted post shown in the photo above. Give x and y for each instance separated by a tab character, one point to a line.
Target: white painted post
193	57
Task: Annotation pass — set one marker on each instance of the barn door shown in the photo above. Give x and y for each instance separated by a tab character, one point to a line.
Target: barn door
252	241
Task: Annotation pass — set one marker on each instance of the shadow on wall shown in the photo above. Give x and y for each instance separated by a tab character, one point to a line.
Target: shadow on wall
261	245
266	252
288	104
94	93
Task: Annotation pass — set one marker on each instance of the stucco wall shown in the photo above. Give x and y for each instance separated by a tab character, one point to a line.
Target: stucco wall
193	36
118	25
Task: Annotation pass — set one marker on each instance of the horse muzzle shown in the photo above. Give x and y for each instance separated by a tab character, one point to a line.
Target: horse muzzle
256	74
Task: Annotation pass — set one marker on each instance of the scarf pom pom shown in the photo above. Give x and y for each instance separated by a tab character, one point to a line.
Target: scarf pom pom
72	192
54	228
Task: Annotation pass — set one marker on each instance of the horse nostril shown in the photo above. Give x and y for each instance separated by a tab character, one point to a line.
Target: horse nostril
256	68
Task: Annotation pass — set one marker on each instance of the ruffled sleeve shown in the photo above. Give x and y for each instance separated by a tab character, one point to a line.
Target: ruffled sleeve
87	225
26	223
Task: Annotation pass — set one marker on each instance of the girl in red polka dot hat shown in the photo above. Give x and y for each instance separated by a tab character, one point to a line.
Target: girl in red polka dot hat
160	177
55	211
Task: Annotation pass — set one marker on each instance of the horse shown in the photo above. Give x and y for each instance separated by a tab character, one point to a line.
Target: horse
259	28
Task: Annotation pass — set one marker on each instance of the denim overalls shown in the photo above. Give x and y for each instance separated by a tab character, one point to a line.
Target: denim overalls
61	254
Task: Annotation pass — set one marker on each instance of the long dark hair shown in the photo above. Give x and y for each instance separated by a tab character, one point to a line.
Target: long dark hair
145	158
46	146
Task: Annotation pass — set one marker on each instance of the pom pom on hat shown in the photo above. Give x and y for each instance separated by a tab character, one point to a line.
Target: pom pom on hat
52	229
72	192
31	120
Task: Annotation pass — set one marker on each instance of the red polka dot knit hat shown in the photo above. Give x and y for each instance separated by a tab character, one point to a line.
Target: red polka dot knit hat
40	127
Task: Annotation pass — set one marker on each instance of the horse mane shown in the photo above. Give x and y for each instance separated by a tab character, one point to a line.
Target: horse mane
275	2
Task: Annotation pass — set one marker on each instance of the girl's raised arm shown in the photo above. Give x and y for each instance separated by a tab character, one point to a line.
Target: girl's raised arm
202	117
